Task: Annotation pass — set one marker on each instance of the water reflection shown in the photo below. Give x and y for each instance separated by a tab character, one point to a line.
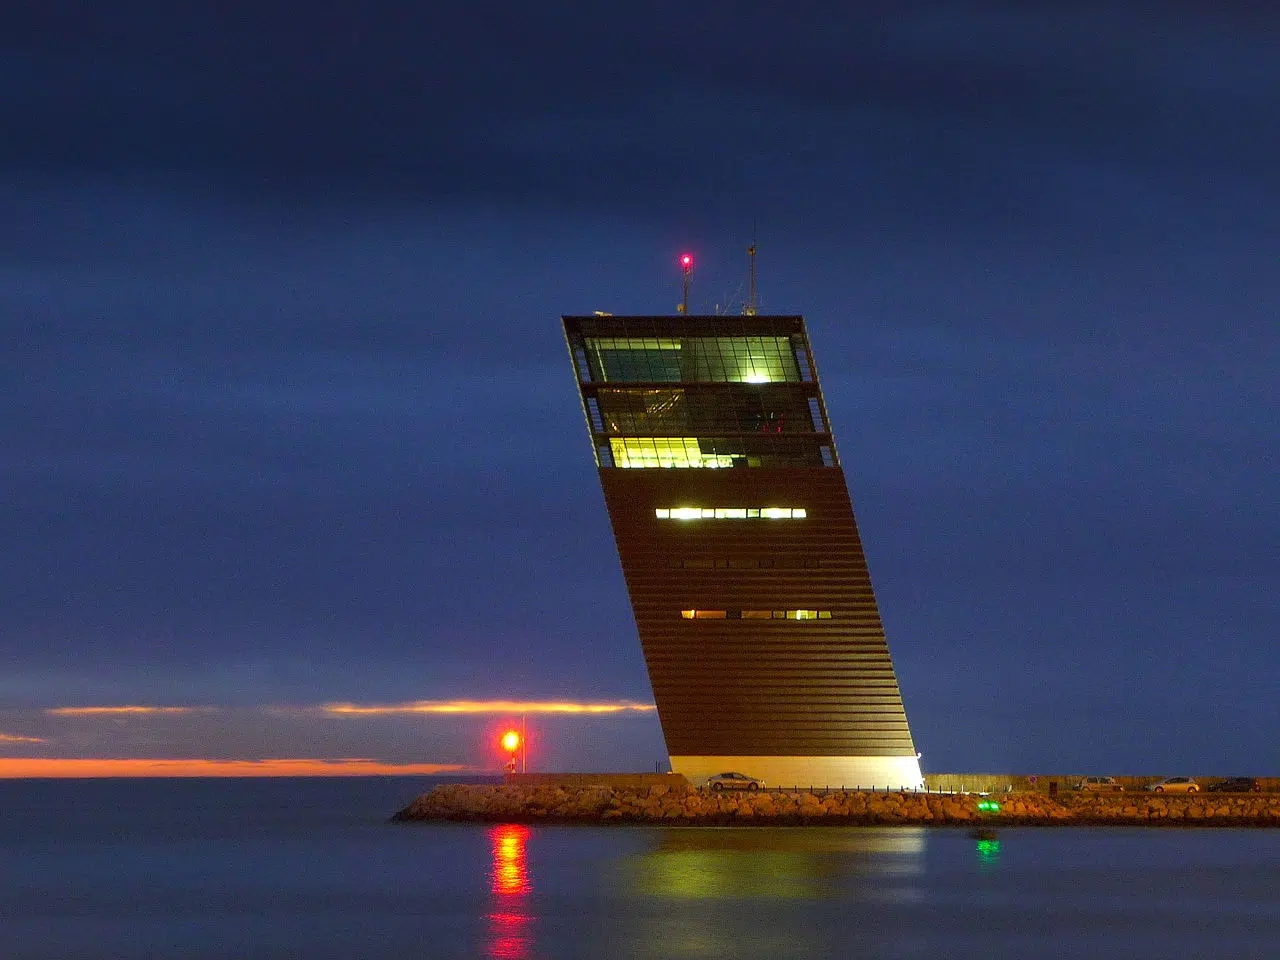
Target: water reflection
988	849
723	889
785	863
510	934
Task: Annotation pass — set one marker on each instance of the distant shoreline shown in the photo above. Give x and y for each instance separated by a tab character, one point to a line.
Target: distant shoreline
676	804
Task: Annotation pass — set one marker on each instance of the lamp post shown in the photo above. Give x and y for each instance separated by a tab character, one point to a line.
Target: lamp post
511	742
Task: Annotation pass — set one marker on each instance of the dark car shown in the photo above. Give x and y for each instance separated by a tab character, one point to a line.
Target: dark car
1235	785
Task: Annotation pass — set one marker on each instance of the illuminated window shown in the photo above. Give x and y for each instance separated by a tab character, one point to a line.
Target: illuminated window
756	614
676	452
783	513
695	359
730	513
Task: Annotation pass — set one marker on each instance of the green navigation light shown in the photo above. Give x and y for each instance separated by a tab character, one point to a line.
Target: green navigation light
988	806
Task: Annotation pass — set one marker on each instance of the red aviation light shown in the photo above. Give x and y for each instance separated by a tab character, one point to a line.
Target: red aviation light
686	262
511	741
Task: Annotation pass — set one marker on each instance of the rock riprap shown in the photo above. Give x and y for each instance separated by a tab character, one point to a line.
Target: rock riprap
493	803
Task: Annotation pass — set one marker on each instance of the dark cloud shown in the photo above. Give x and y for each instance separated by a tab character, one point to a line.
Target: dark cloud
609	109
289	418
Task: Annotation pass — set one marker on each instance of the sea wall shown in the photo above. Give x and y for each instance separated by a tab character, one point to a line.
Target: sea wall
664	803
1055	782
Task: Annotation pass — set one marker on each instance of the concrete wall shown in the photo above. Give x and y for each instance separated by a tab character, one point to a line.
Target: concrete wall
618	781
1051	783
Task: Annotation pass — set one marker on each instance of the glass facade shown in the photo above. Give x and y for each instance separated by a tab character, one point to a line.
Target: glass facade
692	359
662	396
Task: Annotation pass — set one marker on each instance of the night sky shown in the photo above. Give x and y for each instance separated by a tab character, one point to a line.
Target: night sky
289	422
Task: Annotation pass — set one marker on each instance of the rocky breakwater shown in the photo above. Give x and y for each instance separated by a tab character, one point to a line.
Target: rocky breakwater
662	804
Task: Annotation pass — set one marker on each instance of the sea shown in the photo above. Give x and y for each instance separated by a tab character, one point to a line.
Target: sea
313	868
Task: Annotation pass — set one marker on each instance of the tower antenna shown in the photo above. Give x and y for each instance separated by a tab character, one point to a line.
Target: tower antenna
686	273
750	308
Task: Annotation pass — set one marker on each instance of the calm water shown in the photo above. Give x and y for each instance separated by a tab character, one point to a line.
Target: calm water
309	868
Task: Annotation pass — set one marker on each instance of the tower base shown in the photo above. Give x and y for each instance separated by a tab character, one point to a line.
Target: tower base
831	772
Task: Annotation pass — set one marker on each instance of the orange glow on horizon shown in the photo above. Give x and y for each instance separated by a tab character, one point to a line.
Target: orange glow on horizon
484	706
477	707
15	738
23	767
128	710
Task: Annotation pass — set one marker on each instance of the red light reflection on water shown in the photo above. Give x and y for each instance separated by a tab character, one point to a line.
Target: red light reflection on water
510	875
509	934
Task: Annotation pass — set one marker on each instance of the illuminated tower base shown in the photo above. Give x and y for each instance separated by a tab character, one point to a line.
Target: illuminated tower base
850	772
741	554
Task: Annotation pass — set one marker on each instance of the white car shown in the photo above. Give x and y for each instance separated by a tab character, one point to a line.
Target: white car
1106	784
1175	785
733	781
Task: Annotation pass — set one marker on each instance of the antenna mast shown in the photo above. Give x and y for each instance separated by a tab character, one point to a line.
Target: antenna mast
750	308
686	272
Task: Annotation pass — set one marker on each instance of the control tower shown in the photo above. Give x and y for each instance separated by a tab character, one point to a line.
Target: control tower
740	550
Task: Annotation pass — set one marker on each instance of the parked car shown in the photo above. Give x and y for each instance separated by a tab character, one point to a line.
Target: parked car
1235	785
1175	785
733	781
1108	784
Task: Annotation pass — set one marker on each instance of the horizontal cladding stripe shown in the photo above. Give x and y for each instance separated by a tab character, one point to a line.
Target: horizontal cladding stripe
787	673
691	708
793	688
694	710
834	739
739	618
755	649
778	672
690	697
791	749
679	682
722	637
737	634
786	749
677	628
745	711
877	730
827	712
817	695
762	649
741	631
748	688
770	644
667	611
803	656
746	641
649	594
